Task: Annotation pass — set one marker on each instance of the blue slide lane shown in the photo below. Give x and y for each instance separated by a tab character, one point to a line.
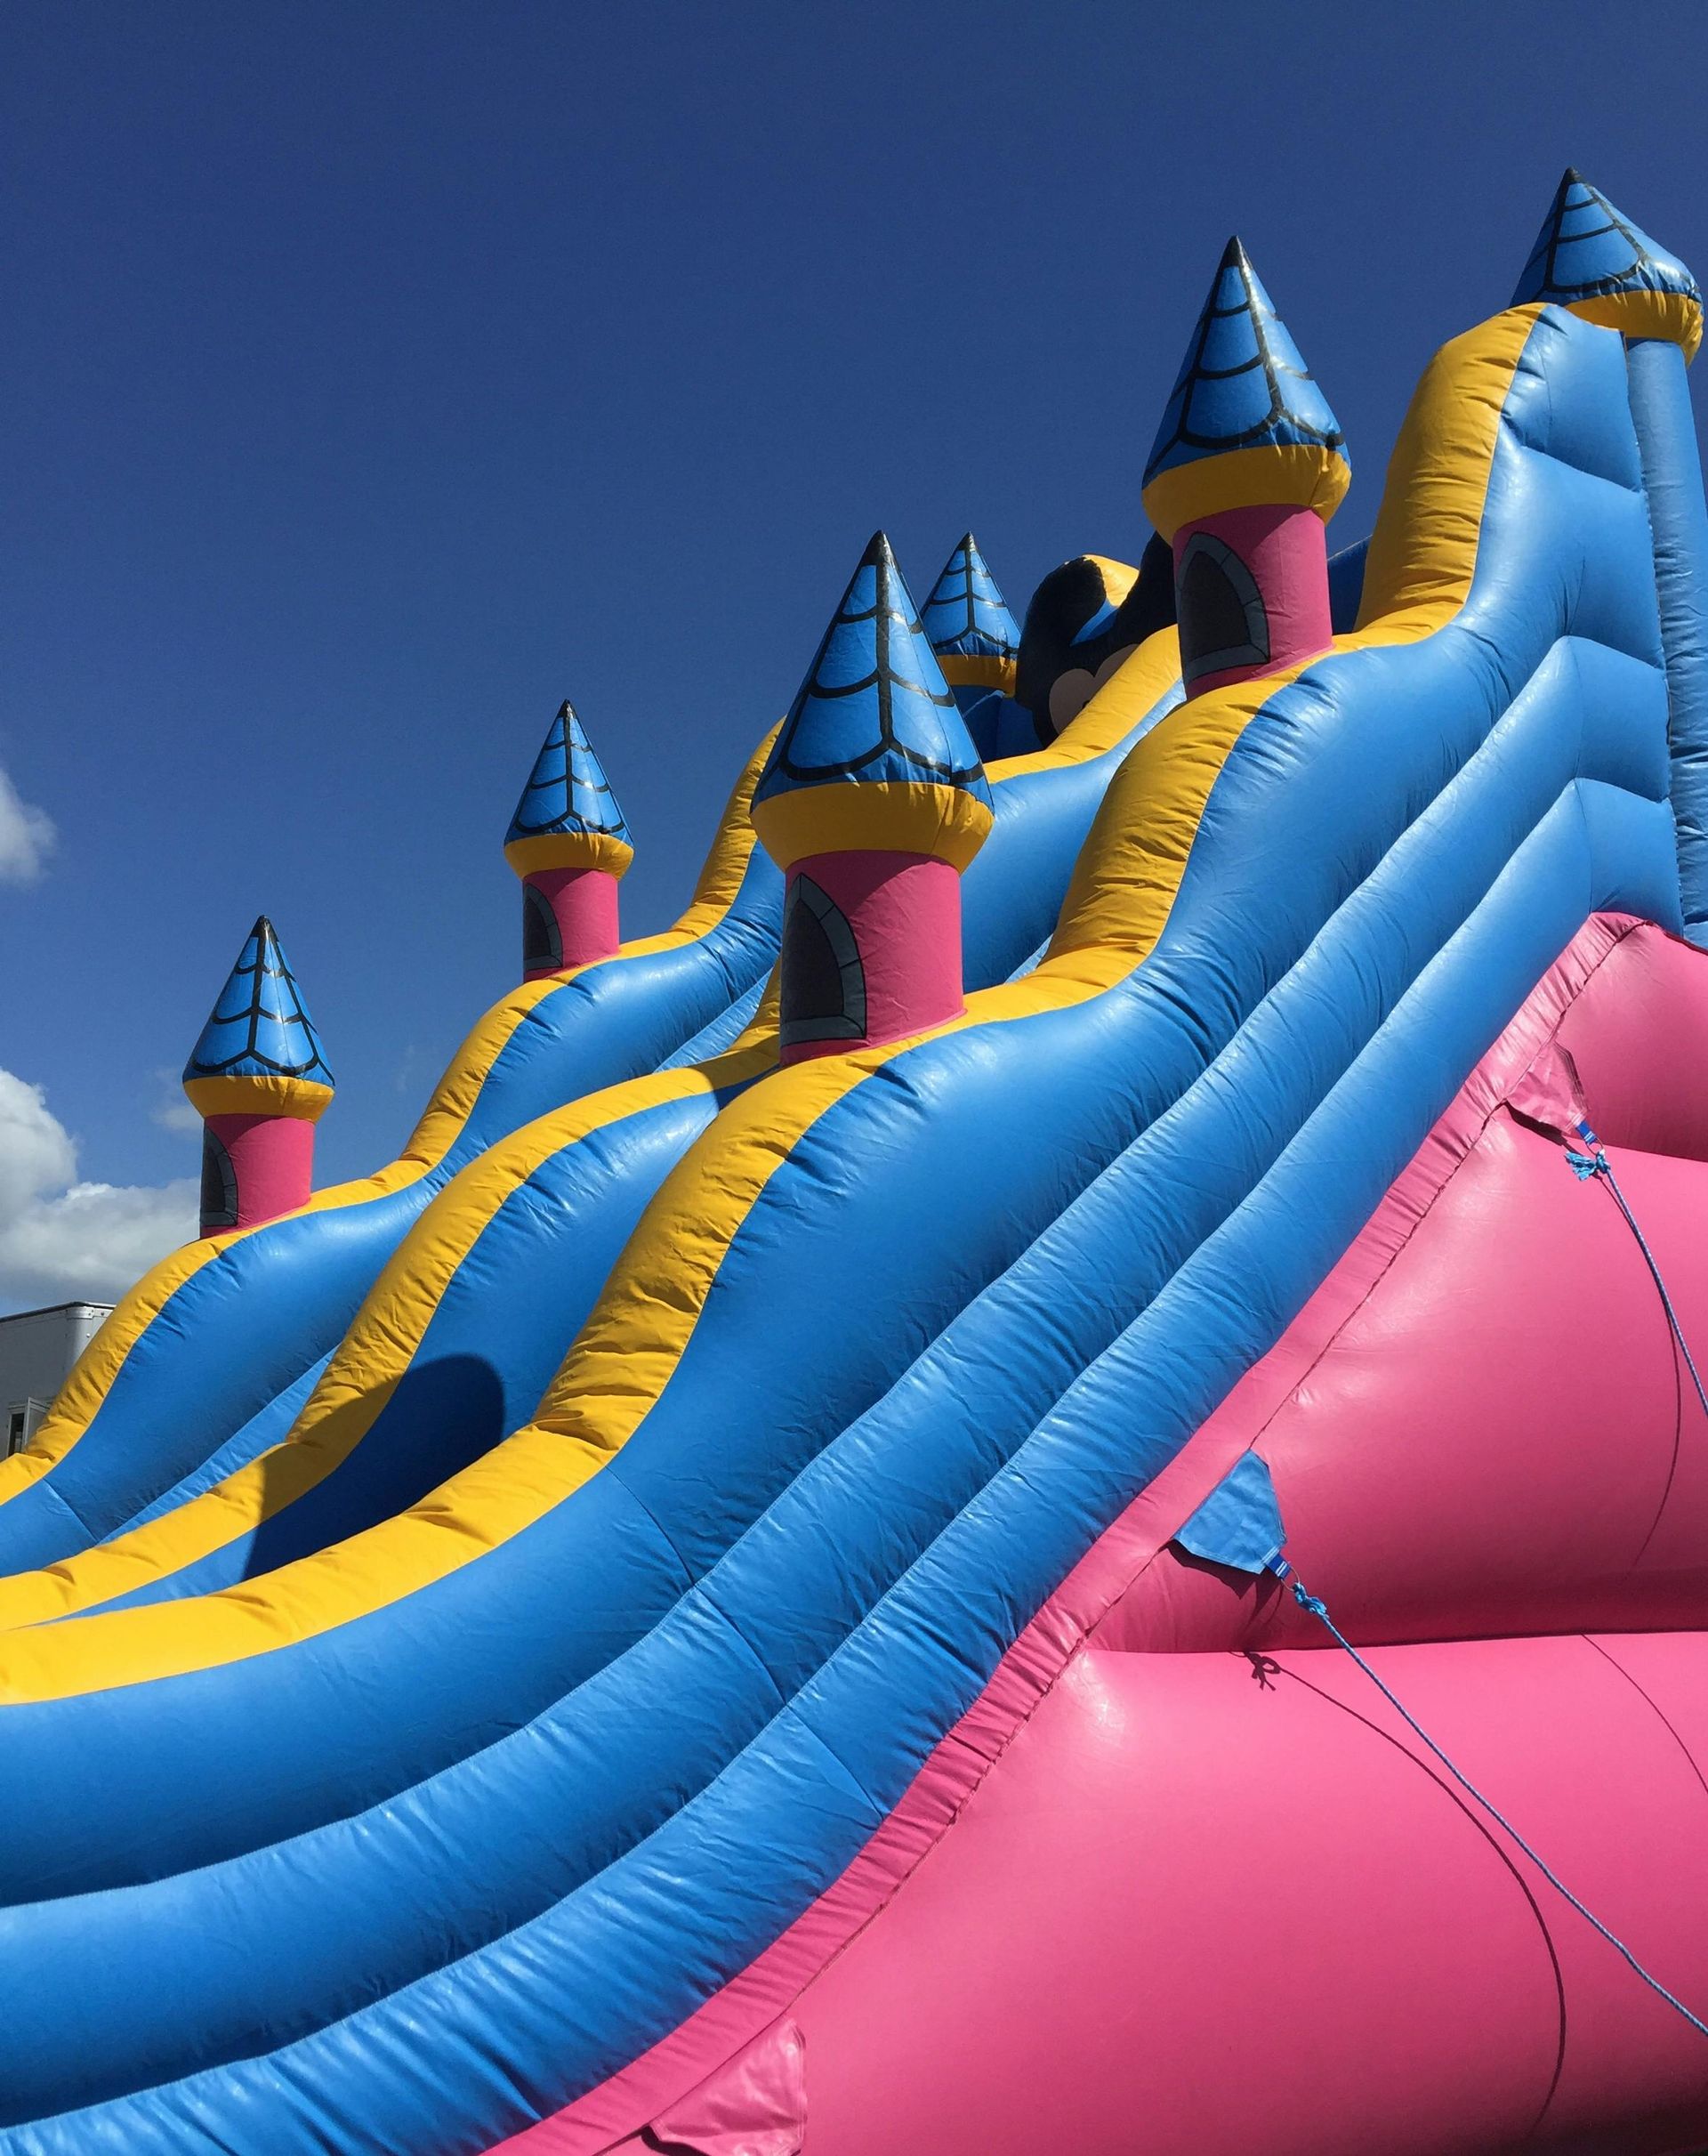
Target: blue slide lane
549	1802
258	1435
244	1326
514	1306
500	1330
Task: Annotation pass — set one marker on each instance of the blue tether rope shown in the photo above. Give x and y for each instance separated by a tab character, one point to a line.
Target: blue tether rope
1585	1166
1317	1608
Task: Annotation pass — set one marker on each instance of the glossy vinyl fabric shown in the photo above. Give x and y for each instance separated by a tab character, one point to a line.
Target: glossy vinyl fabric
452	1347
568	793
259	1026
215	1332
966	616
497	1331
1349	1961
444	1847
875	715
875	676
1587	250
1245	426
1591	258
1084	622
1593	1509
1243	383
1660	403
1196	1839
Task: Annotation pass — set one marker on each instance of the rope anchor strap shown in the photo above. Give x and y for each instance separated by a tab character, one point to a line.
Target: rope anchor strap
1589	1166
1317	1608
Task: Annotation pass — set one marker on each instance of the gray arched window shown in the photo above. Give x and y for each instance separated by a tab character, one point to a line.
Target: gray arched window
542	946
824	983
218	1185
1223	624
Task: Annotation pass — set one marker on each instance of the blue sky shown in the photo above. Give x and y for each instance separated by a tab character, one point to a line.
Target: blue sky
376	376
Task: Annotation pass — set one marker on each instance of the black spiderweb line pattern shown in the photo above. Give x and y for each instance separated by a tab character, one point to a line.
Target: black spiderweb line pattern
1547	250
884	678
268	964
583	774
967	594
960	561
1186	437
605	817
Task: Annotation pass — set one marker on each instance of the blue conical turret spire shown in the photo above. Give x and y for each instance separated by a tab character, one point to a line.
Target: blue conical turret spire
1242	388
967	621
873	718
1590	258
874	705
568	798
260	1027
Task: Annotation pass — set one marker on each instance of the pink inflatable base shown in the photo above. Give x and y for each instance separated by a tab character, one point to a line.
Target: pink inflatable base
1216	1899
1214	1904
1480	1424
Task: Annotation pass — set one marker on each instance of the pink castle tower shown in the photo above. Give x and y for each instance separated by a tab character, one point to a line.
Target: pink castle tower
1248	465
569	845
259	1082
872	800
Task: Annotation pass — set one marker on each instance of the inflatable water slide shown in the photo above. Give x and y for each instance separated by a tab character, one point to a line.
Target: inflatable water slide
1041	1484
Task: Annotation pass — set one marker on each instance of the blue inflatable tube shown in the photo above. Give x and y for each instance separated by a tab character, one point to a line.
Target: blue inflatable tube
1666	435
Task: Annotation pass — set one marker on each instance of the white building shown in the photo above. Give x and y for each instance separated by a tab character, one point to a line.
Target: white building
38	1348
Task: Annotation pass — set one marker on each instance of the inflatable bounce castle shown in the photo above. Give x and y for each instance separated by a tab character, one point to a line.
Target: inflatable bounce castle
1041	1484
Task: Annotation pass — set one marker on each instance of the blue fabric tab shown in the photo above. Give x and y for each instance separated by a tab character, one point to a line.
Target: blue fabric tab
1239	1522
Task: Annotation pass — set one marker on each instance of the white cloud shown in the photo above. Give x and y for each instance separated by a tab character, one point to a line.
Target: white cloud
172	1111
59	1238
27	836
